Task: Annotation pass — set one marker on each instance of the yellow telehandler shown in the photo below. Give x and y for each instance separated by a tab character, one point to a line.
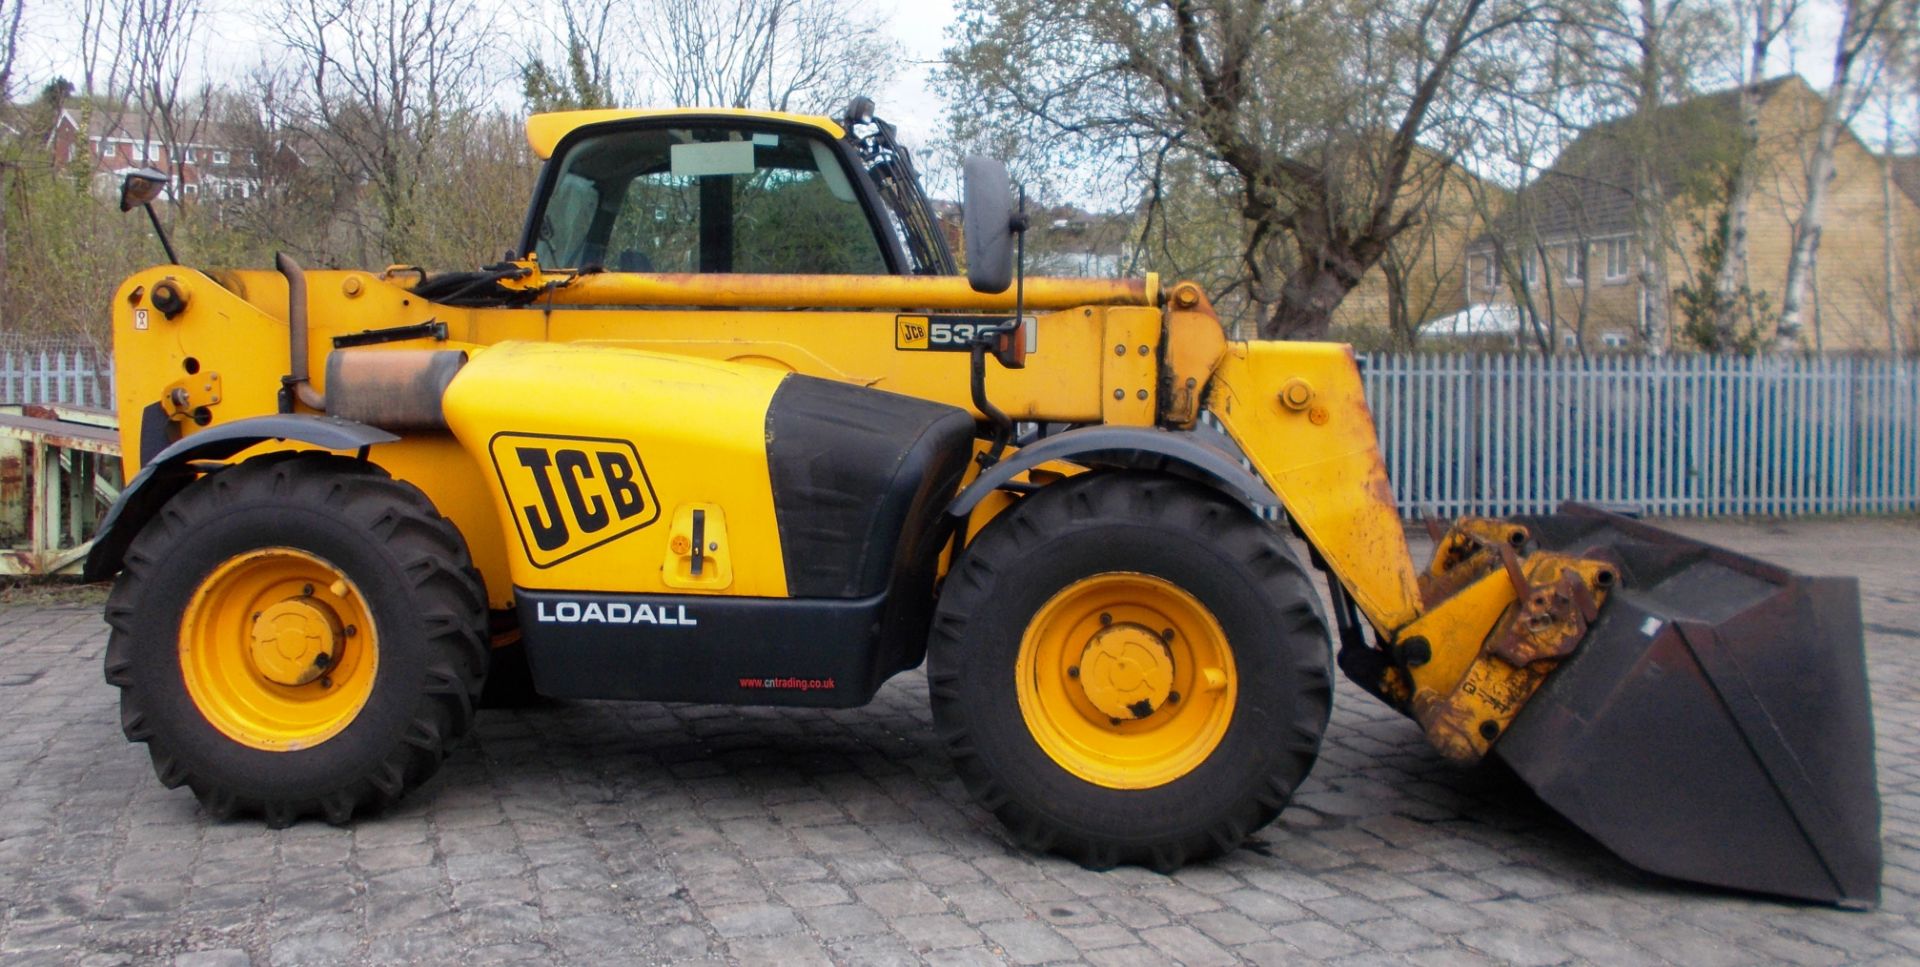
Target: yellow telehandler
729	426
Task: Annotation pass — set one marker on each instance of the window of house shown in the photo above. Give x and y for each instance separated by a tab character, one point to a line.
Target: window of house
1530	267
1613	340
1616	259
187	156
1493	272
1576	262
191	189
253	158
220	157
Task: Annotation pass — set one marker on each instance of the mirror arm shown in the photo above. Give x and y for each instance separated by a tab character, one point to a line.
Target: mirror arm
165	243
1002	423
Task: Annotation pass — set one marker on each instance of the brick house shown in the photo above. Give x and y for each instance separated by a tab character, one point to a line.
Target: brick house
215	162
1570	235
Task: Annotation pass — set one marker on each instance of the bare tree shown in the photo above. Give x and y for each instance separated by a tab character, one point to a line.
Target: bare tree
1646	55
782	55
1767	20
578	69
1861	21
159	48
11	12
1312	109
381	79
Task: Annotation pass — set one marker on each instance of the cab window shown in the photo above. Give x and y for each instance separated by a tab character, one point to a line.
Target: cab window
707	198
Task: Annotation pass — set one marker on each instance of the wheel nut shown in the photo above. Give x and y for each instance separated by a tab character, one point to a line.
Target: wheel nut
320	660
1166	634
1105	619
1073	671
306	590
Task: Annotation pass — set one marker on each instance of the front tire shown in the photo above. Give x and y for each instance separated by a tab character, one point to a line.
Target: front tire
297	635
1130	668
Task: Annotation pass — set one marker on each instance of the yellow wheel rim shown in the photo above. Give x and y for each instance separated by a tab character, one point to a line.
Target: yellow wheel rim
1126	680
278	649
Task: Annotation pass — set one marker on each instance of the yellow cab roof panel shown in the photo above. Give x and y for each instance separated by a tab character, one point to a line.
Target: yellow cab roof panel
544	131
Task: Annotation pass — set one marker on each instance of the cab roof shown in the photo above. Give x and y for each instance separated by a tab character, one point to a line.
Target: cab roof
544	131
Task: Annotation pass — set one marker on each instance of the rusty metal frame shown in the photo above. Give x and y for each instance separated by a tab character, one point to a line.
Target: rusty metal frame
59	472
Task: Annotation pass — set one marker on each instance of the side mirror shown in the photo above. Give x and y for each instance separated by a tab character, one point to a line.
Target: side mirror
988	221
140	187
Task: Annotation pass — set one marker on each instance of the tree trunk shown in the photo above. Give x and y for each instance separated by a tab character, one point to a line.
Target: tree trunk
1806	236
1888	239
1307	300
1733	261
1399	315
1649	196
1586	296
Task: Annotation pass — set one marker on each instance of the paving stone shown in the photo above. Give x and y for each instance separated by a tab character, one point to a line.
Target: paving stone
899	898
778	951
844	920
229	957
935	931
1185	945
752	920
1027	941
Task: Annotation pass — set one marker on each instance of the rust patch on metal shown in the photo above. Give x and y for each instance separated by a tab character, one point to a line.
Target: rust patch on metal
1558	598
1465	551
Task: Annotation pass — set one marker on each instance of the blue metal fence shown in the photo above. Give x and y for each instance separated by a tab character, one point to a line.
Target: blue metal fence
67	372
1679	435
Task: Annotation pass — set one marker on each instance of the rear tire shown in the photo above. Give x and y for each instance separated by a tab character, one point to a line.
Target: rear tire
1080	574
239	648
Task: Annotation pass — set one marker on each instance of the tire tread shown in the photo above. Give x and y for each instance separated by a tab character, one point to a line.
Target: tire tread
430	554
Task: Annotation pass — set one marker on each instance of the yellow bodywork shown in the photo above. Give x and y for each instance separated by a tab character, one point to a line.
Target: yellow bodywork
679	427
641	400
544	131
688	388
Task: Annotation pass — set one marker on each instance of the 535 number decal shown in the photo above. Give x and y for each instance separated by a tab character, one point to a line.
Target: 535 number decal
953	334
572	494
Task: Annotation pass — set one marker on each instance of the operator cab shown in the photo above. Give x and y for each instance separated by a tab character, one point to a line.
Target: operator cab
729	192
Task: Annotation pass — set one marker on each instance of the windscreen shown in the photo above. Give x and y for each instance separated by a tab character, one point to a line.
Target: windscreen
707	198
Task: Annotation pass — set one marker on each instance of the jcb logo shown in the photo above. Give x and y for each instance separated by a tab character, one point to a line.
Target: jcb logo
572	494
912	332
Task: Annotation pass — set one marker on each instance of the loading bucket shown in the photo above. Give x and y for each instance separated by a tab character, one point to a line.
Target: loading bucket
1714	723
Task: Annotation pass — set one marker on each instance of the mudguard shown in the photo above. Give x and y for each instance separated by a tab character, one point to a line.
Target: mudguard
1125	447
169	472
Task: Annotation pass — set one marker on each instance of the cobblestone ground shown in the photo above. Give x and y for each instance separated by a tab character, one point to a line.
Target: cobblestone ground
601	832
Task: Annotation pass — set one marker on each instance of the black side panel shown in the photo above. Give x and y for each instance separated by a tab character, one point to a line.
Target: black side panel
860	478
703	648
